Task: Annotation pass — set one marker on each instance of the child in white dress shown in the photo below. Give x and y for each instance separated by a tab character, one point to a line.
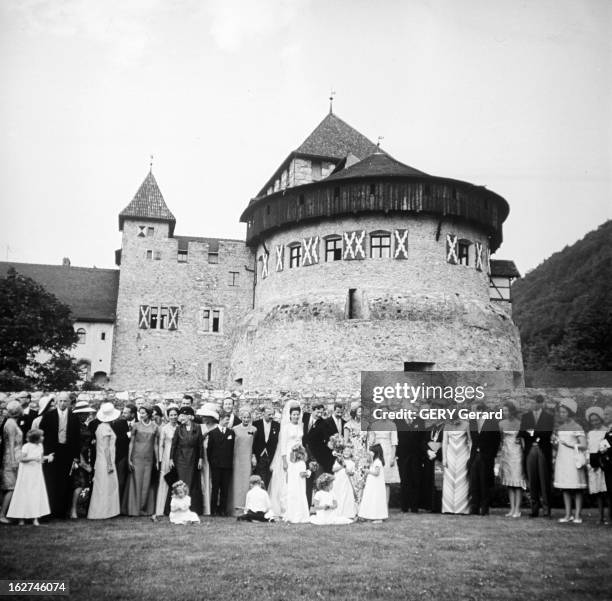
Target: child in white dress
342	489
326	505
180	504
297	503
30	500
257	506
374	500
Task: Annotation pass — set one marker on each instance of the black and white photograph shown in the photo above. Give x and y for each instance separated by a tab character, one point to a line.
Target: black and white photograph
306	300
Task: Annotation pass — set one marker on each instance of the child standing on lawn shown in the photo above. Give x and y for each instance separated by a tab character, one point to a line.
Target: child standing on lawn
342	489
30	500
374	500
180	505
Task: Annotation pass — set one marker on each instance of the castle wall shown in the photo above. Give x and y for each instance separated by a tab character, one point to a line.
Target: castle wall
177	358
421	309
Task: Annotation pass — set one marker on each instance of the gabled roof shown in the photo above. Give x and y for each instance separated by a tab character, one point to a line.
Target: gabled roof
376	165
333	138
91	293
504	269
148	203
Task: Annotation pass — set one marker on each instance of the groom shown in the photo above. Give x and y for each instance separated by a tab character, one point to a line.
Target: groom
265	441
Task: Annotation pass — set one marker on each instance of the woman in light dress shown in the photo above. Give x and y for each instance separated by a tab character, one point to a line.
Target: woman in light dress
104	501
243	447
386	436
290	435
596	477
166	434
570	441
374	504
358	440
456	445
12	441
511	461
209	417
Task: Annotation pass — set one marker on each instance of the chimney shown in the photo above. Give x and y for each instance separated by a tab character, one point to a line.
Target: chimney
66	262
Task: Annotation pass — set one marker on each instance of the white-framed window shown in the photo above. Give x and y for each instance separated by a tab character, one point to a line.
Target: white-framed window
463	252
150	231
82	336
181	256
211	320
333	248
380	245
149	255
213	257
295	254
233	278
158	317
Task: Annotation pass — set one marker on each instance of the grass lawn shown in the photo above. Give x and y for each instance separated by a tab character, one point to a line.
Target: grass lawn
427	557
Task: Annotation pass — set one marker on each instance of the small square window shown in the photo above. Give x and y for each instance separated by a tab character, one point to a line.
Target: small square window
216	321
157	255
181	256
149	255
103	336
150	231
213	257
333	249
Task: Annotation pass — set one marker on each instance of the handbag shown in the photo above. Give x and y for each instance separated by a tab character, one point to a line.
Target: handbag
172	476
579	458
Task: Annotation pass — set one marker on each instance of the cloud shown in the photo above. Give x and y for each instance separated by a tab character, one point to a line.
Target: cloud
234	24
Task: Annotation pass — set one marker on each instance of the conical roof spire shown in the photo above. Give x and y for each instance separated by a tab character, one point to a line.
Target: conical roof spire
148	203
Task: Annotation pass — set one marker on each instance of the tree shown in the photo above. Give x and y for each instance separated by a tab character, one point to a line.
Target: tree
32	321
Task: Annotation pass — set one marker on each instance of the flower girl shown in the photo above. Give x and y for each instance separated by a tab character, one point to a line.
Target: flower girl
374	500
342	489
326	505
297	504
180	512
30	499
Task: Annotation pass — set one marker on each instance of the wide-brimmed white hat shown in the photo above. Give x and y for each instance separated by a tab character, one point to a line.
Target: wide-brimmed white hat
44	401
208	410
83	407
107	412
594	411
569	404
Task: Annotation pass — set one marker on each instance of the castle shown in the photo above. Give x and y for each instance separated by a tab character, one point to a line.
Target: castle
352	261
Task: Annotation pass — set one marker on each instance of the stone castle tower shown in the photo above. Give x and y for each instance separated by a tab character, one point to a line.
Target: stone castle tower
353	261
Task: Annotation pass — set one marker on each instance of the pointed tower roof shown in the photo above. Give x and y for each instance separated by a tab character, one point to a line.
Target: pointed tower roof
148	203
333	138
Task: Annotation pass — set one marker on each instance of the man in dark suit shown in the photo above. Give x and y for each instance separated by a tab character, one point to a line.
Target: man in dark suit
228	407
486	438
536	431
121	429
332	425
312	438
62	437
221	460
265	441
410	453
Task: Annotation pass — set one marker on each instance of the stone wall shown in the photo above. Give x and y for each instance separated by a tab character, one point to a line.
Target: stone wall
163	358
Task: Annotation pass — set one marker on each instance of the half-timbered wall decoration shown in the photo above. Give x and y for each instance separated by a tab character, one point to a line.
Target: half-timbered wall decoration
478	256
264	265
280	256
451	249
310	251
354	245
144	316
400	238
158	317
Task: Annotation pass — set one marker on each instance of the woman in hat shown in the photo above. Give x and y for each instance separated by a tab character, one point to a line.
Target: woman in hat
570	476
104	501
596	478
166	435
187	456
45	405
209	418
139	498
12	440
81	473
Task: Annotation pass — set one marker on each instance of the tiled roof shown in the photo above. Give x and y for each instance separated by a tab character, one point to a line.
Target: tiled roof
90	293
334	138
148	203
376	165
504	269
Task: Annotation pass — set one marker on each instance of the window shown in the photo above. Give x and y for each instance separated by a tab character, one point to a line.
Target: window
210	320
267	209
149	255
157	255
380	245
150	231
417	366
336	192
295	254
372	188
82	336
354	304
301	200
316	170
463	253
234	277
181	256
103	336
158	317
333	249
142	231
209	372
213	257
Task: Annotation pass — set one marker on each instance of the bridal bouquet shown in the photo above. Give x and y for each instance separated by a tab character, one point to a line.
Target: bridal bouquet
336	444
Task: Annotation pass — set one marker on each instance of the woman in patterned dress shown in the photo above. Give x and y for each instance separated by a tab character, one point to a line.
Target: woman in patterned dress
166	434
358	440
456	447
596	478
511	462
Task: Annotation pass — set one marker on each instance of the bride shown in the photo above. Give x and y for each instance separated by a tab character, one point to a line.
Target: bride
291	431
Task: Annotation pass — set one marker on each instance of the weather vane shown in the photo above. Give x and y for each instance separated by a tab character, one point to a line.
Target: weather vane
151	165
331	101
379	140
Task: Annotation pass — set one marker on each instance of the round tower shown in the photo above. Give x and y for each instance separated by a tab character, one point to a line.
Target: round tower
365	263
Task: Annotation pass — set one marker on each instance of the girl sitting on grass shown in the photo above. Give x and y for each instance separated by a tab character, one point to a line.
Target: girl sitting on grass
326	504
180	505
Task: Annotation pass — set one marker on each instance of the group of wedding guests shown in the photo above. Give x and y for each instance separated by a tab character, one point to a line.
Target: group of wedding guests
308	466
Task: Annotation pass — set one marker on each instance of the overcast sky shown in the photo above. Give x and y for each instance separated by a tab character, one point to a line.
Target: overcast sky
514	95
